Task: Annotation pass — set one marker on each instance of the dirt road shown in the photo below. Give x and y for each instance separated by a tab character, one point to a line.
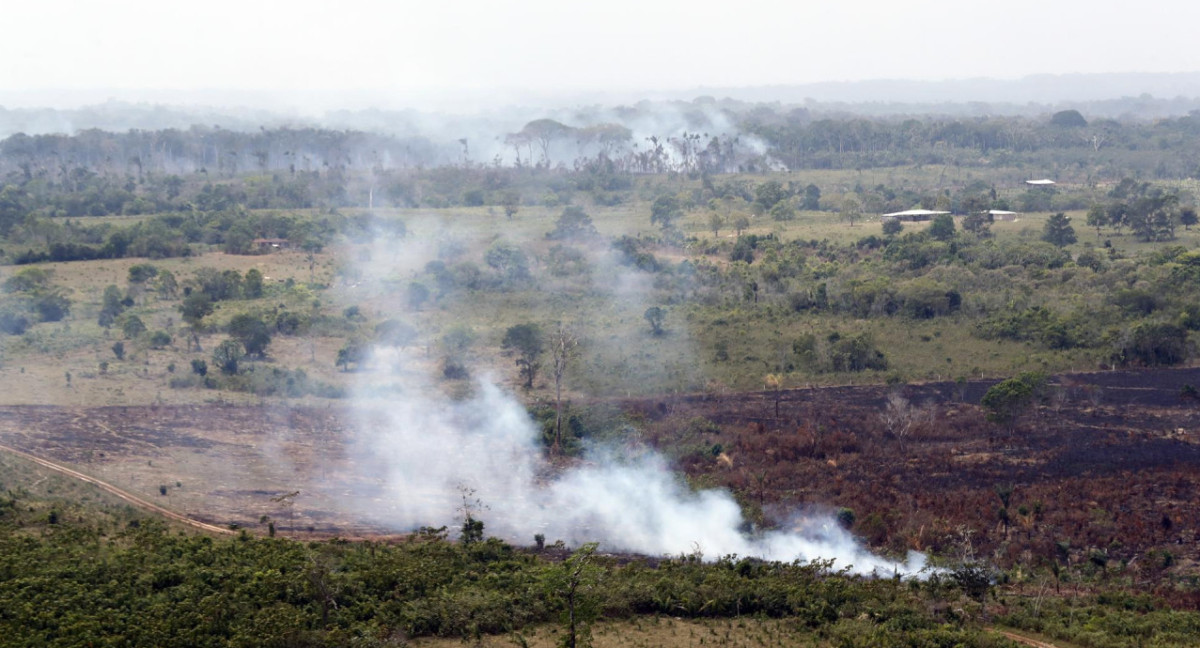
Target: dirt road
109	488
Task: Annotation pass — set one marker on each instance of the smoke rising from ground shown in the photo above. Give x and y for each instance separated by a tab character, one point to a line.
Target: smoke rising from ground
437	460
433	459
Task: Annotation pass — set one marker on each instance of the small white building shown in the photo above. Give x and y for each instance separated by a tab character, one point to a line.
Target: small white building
912	215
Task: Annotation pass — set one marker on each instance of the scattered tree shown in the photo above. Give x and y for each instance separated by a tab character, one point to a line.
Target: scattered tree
715	222
251	332
227	355
851	210
1058	230
741	224
132	327
1097	217
655	316
252	286
511	203
571	586
942	227
573	223
351	353
665	211
1187	217
1008	399
526	341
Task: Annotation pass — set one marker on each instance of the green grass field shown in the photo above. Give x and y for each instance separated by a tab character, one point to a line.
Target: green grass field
722	344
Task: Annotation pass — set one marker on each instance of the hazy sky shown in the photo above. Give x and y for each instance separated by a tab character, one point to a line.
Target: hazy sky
400	47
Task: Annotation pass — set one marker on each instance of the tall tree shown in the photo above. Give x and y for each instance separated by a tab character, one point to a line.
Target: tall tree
251	332
1097	217
942	227
851	210
526	341
563	347
1058	230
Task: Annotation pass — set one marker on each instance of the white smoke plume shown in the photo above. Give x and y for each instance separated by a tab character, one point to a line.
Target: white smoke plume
433	459
438	460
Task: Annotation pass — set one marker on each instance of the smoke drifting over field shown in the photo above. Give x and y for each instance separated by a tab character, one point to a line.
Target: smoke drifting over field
437	459
433	456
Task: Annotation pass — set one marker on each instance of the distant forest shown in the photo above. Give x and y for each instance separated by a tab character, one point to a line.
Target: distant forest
704	136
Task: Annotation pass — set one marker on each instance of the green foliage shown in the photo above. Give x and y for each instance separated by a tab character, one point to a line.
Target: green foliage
1058	231
132	580
132	327
252	287
665	211
769	194
573	224
1153	344
509	263
1036	324
527	342
34	297
942	227
141	273
1008	399
27	280
351	353
855	353
252	332
227	355
783	211
572	588
923	299
195	308
472	531
812	198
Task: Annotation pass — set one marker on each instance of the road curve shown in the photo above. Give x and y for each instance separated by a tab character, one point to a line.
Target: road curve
128	497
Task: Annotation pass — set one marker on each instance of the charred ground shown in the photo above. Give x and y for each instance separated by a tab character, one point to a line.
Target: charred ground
1100	476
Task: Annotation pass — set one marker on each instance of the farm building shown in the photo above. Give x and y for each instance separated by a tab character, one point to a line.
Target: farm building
271	244
912	215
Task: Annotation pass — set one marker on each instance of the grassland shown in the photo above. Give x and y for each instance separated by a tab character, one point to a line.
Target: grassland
618	348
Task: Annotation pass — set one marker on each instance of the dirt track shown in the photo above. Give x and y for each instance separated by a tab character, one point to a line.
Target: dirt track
113	490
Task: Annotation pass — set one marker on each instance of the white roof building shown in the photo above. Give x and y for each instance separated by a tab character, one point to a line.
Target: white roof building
913	215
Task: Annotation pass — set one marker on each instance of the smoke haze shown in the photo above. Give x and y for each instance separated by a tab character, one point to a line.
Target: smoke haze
433	459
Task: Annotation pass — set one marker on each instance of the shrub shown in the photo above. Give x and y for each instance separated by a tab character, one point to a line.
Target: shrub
856	353
1152	344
